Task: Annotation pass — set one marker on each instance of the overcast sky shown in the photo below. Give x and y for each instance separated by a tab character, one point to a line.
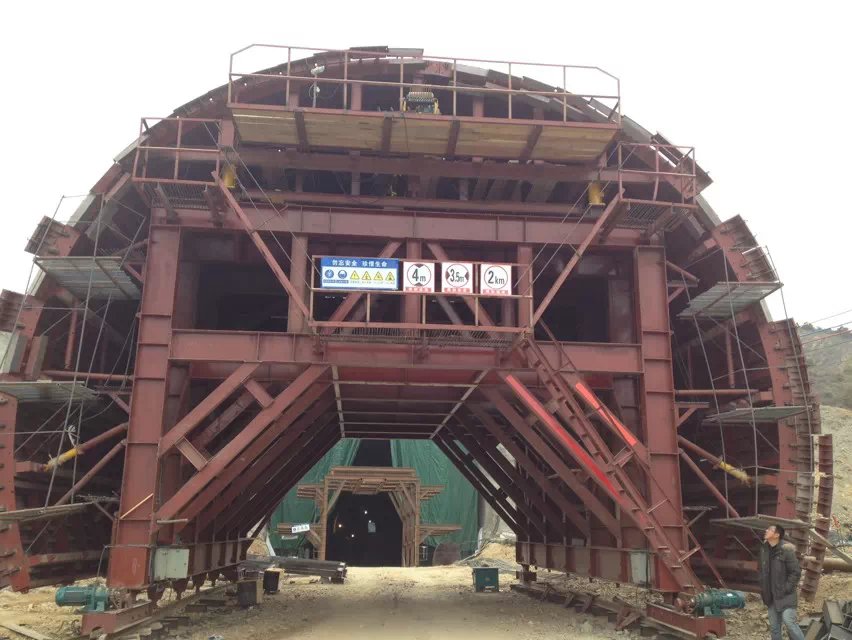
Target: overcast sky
760	89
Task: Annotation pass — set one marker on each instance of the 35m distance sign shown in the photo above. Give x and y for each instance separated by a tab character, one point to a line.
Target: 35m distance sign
359	273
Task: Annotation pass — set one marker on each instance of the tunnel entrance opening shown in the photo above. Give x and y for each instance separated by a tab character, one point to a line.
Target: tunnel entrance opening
365	531
373	453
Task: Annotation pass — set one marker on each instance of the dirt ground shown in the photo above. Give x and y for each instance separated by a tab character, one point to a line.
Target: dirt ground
429	603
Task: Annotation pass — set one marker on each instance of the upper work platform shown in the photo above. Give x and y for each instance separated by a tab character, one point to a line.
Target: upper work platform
396	101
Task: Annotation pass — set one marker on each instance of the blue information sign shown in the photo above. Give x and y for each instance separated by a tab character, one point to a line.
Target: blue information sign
359	273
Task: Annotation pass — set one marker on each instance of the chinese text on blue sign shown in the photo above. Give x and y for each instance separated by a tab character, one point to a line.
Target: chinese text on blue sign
359	273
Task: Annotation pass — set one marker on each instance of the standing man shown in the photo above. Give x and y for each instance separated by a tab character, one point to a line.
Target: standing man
779	582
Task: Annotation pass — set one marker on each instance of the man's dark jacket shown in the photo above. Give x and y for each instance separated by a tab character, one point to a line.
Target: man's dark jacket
779	576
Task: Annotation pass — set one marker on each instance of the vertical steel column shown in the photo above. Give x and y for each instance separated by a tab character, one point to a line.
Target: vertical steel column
525	284
296	321
132	535
411	303
657	400
14	567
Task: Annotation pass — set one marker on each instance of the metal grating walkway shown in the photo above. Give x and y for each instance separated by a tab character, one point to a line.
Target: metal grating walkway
47	391
472	337
725	298
744	415
759	522
106	275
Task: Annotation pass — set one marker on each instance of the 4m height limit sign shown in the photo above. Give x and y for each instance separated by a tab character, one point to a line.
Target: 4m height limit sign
418	276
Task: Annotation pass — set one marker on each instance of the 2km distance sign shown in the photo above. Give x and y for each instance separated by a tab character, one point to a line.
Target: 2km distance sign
457	277
495	279
418	276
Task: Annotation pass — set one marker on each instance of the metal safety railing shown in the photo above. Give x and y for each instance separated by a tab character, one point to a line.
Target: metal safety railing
663	163
332	67
166	145
483	327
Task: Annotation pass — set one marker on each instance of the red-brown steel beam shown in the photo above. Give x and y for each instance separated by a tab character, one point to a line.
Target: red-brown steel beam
657	396
486	228
554	460
301	264
497	502
342	200
203	409
561	437
255	431
499	468
427	167
91	473
239	469
673	574
223	420
267	495
202	347
262	511
530	467
261	246
82	447
521	513
575	259
260	465
731	512
132	534
313	445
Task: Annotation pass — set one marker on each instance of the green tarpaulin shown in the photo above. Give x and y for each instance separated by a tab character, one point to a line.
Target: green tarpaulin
456	504
297	510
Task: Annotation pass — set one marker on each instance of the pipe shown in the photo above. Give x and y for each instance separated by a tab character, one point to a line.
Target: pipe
716	493
729	356
82	375
833	564
82	482
72	337
730	469
82	447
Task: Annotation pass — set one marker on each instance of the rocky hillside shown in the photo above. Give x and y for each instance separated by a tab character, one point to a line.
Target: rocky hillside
838	422
829	357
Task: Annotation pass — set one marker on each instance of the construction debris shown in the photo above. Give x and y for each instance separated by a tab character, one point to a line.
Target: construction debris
331	570
835	623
